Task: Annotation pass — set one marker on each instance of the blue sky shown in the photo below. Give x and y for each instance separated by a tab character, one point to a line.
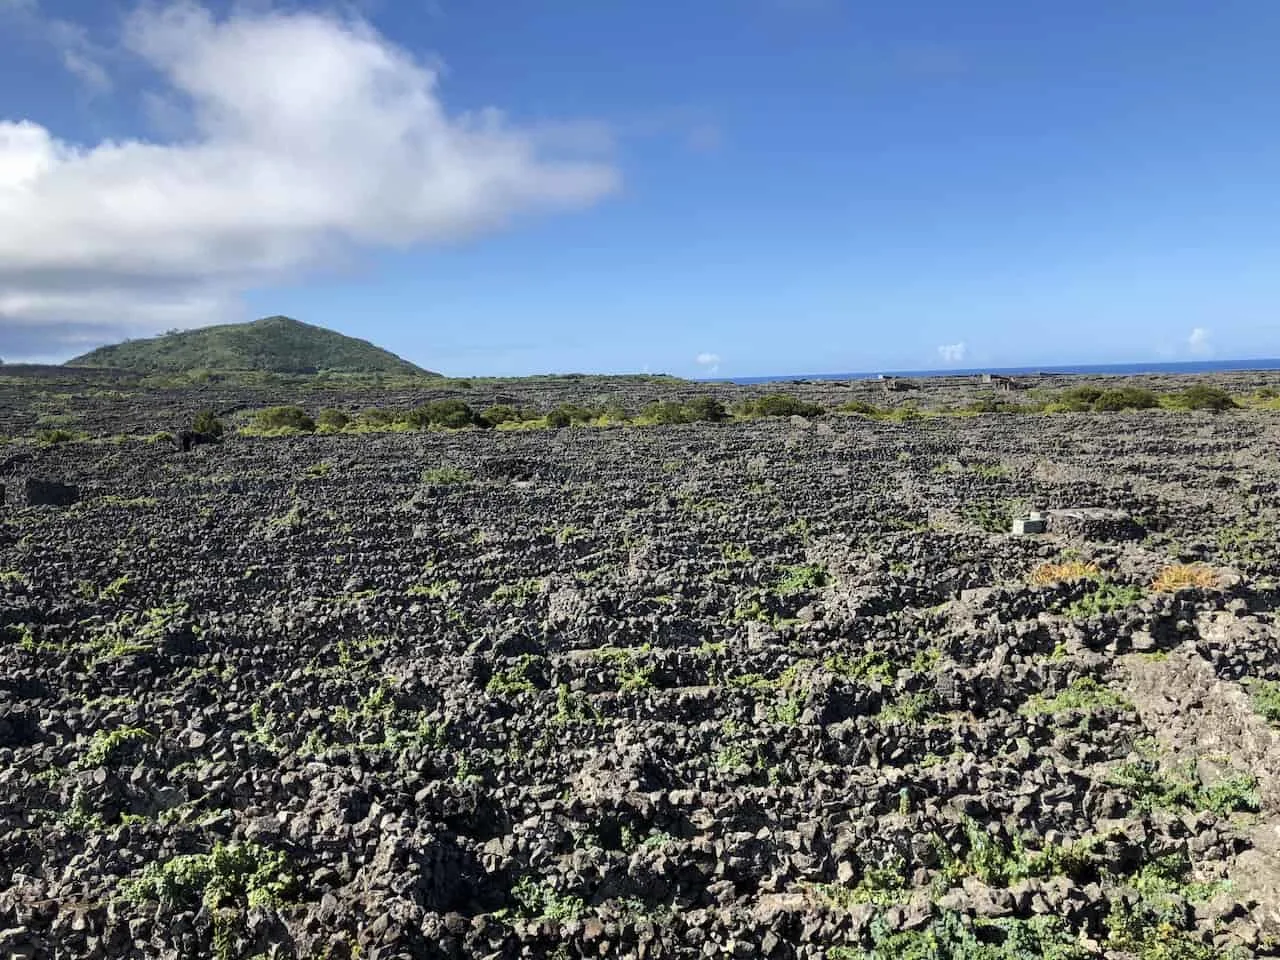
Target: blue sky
765	186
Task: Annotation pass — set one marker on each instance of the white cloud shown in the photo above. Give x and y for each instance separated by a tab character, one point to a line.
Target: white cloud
952	352
308	136
1199	342
79	54
711	361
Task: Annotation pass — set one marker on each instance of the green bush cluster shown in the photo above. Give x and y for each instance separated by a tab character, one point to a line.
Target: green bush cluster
1265	695
207	422
861	408
999	860
1151	927
777	405
801	578
242	875
281	421
1264	398
948	937
538	899
1202	397
1086	399
1084	694
49	437
332	421
1105	597
504	413
1150	788
567	414
451	414
704	408
106	746
287	420
454	414
446	475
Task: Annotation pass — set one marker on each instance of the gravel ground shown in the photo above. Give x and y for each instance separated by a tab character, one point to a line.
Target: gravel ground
780	688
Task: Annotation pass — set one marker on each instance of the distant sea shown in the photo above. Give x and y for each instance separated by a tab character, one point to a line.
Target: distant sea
1112	369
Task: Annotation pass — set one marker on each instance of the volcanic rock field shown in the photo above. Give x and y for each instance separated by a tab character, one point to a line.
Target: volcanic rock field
782	688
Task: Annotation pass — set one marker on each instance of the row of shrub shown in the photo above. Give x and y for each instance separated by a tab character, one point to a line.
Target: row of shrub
1198	397
456	414
1096	400
1084	399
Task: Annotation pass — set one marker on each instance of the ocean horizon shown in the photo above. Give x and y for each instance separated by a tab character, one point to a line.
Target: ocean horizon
1113	369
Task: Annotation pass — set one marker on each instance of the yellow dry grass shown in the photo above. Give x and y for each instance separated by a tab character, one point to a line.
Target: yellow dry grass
1179	576
1050	573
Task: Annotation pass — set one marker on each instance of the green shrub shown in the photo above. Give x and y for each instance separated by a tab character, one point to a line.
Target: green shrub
287	419
665	411
244	875
577	413
990	403
1106	597
500	413
1087	399
999	860
207	422
105	746
706	408
332	421
1084	694
778	405
800	578
515	679
55	436
567	414
1203	397
538	899
451	414
376	418
1265	695
444	476
1077	399
1150	787
1126	398
948	937
861	408
614	412
1112	401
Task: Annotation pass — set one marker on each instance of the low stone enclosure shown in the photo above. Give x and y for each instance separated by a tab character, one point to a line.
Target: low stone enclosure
777	688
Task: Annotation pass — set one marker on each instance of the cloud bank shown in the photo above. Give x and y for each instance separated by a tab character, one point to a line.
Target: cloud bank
710	362
953	353
309	136
1199	342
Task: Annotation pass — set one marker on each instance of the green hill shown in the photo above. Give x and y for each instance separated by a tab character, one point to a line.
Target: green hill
273	344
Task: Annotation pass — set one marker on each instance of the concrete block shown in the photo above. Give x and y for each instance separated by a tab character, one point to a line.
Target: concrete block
1032	523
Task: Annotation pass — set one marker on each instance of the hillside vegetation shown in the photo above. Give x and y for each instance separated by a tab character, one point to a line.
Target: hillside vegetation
274	344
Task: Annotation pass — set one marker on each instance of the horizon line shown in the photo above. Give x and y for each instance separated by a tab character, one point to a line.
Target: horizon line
1242	365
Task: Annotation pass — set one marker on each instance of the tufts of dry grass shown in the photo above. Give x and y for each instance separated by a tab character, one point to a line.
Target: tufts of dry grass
1180	576
1050	573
